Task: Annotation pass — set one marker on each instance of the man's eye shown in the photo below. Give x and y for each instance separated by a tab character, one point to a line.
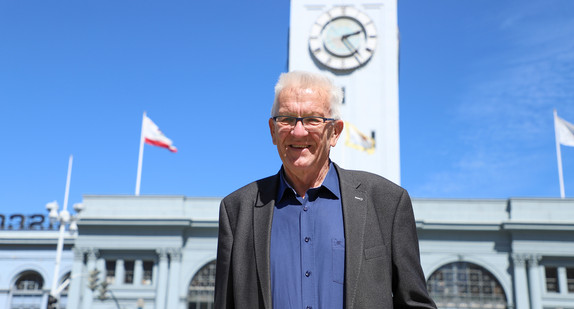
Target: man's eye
286	120
313	121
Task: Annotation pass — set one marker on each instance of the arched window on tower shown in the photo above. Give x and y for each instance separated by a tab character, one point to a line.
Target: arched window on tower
27	291
465	285
202	288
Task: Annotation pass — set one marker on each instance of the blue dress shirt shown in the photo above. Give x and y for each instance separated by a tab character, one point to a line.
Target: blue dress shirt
307	257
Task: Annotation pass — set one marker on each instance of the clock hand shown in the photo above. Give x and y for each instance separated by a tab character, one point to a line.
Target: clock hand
345	41
349	45
344	37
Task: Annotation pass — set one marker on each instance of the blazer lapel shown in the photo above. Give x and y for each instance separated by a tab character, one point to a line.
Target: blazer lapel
262	218
354	202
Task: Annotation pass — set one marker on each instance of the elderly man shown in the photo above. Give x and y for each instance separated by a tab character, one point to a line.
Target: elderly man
316	236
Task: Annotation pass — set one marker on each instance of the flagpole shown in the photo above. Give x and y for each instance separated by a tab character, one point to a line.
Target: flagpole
559	157
63	217
140	158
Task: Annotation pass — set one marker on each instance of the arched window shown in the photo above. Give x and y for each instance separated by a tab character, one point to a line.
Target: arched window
27	291
202	287
465	285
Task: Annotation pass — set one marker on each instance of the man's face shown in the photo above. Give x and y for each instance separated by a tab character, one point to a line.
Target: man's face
304	150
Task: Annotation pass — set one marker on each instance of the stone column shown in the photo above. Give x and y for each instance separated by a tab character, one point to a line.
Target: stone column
174	270
562	280
161	288
535	283
120	272
76	278
101	266
88	295
520	282
138	272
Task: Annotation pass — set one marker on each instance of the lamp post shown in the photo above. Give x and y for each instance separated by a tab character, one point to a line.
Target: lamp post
65	219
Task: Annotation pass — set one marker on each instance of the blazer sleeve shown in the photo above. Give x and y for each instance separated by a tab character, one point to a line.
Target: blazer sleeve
223	271
409	285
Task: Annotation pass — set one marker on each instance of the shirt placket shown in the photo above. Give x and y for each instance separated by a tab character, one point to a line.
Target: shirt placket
307	255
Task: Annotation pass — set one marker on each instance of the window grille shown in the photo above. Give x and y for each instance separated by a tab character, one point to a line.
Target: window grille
551	279
147	272
129	272
570	279
202	288
110	271
466	285
27	291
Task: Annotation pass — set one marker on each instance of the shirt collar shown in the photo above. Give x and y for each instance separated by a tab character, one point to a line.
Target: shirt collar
331	183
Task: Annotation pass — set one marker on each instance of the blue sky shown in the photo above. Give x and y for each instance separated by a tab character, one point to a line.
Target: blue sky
478	83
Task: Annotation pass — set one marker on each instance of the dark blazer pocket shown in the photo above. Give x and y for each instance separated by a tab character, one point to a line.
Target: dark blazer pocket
374	252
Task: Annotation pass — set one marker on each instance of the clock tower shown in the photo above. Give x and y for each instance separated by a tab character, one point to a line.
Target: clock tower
356	43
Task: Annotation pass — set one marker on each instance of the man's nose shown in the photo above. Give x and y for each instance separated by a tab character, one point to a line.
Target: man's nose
299	128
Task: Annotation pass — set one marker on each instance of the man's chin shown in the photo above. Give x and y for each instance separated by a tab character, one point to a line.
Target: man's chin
299	165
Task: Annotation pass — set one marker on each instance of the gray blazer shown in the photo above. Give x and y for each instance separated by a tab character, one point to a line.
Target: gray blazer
382	265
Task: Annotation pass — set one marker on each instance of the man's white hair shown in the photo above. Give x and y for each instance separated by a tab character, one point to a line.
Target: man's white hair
306	80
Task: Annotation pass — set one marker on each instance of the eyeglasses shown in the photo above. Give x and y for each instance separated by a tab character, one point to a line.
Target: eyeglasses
308	122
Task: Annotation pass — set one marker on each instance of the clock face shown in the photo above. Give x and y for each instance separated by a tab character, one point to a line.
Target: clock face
343	38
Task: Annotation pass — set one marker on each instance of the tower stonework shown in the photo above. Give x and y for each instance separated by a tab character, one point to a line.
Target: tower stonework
356	43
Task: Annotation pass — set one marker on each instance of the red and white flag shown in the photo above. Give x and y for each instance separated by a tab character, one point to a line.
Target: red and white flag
152	135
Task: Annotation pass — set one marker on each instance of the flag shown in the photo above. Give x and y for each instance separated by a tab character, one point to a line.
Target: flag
153	136
564	131
358	140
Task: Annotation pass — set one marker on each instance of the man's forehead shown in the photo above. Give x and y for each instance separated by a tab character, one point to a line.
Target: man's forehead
303	92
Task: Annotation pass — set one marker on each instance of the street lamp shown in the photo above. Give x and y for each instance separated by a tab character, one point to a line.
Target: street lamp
65	219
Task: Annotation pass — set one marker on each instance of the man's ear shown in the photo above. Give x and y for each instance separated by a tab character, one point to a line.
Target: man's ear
338	126
272	130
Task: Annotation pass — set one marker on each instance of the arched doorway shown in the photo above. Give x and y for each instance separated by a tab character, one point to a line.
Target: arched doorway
202	288
466	285
27	291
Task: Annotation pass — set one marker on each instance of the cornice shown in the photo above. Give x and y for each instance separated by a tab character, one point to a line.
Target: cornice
491	226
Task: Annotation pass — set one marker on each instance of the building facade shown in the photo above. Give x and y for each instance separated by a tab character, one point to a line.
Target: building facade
129	252
516	253
159	252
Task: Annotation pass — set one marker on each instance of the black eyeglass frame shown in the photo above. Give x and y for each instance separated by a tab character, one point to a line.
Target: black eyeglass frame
297	119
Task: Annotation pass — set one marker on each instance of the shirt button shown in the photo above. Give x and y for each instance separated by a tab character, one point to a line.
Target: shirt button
309	307
307	239
305	208
307	273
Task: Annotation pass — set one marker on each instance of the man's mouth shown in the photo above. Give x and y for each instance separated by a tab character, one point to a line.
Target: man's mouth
300	146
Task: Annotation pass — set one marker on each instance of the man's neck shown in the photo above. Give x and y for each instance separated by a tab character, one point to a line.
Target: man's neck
305	181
